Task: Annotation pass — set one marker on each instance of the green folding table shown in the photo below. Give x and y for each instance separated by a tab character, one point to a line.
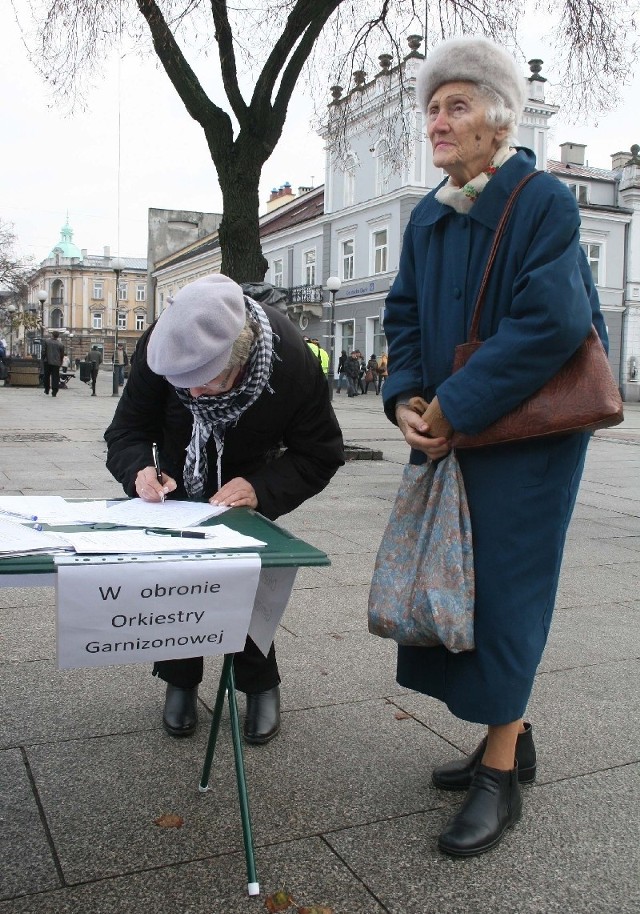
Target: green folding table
282	550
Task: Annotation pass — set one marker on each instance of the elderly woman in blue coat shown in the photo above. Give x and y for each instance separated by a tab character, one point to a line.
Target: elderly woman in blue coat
539	308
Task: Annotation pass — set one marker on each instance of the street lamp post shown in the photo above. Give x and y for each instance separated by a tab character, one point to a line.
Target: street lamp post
42	297
333	284
11	310
117	265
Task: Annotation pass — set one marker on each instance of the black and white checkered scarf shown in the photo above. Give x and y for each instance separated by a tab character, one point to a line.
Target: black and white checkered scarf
215	414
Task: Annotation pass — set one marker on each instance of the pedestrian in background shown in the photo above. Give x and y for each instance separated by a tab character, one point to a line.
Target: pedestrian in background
122	360
321	354
371	374
94	356
352	371
382	370
342	374
539	308
219	382
52	360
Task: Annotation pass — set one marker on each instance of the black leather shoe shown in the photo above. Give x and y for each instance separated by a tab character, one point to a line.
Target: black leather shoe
492	805
459	774
180	710
262	721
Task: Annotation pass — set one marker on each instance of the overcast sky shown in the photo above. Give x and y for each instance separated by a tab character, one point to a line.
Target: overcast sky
54	164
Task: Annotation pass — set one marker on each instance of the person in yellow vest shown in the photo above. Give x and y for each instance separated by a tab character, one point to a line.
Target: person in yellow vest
322	354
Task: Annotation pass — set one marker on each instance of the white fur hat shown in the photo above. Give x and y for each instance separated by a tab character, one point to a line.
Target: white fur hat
474	60
192	340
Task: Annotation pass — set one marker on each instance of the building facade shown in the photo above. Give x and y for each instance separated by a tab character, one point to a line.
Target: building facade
92	299
378	167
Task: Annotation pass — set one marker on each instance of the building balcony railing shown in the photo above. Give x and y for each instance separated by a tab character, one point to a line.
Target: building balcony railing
304	299
302	295
56	300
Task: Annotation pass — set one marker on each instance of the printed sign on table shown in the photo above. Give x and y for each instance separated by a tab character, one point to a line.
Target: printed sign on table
142	611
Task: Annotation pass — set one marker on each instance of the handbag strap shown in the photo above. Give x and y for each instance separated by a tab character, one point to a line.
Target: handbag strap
477	311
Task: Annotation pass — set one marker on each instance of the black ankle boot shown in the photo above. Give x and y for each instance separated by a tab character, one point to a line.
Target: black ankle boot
262	721
459	774
492	805
180	710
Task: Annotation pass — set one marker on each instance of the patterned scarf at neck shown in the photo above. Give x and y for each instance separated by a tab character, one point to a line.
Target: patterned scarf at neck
214	415
461	199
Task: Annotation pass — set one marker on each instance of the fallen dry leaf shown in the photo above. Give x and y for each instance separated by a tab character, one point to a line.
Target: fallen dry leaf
401	715
279	901
169	820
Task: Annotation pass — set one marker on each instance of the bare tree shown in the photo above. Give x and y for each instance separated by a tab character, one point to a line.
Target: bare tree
263	47
13	270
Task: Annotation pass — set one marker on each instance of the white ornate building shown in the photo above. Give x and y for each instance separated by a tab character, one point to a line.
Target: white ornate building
378	166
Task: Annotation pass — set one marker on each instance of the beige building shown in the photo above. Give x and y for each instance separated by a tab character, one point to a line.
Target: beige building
81	300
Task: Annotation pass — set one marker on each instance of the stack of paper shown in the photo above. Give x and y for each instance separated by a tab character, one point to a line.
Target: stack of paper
19	539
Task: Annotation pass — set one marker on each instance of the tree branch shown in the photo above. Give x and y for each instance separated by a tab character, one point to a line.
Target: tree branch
226	52
184	80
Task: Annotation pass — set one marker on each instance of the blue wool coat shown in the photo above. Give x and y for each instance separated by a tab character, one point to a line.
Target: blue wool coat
540	305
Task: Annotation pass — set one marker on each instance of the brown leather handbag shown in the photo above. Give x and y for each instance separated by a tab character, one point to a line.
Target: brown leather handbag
581	397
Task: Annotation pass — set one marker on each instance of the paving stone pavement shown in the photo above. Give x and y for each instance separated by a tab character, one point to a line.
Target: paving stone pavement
343	810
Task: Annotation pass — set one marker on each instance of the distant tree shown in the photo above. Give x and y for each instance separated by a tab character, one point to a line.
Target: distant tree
14	271
263	47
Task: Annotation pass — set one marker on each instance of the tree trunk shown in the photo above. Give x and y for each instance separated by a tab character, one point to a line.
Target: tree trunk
239	231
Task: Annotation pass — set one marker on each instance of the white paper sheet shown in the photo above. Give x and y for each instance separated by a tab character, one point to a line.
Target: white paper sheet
171	514
22	539
113	542
272	596
143	611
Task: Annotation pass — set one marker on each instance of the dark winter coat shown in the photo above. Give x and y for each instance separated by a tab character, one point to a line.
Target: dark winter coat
539	308
297	415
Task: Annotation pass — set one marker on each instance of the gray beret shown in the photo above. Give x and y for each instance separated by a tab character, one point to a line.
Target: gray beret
192	340
474	60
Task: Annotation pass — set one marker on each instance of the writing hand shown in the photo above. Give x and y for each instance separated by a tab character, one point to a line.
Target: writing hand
148	487
237	493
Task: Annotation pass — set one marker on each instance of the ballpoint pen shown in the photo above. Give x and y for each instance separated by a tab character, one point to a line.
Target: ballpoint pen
156	463
189	534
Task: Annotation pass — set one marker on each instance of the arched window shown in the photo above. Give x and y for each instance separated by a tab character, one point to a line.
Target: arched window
56	318
349	195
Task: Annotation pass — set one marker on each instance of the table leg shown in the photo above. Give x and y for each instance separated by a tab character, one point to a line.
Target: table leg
223	686
243	796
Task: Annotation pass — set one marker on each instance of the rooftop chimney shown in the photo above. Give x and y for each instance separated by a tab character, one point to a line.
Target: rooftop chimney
619	160
107	252
572	153
280	196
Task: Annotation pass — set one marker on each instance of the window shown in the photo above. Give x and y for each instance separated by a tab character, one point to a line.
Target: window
141	291
309	265
277	271
122	291
140	321
346	333
382	168
96	322
349	186
98	288
379	339
122	320
380	251
346	258
594	256
580	192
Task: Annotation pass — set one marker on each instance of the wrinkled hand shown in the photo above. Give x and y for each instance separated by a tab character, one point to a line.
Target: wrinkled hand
237	493
419	434
148	487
